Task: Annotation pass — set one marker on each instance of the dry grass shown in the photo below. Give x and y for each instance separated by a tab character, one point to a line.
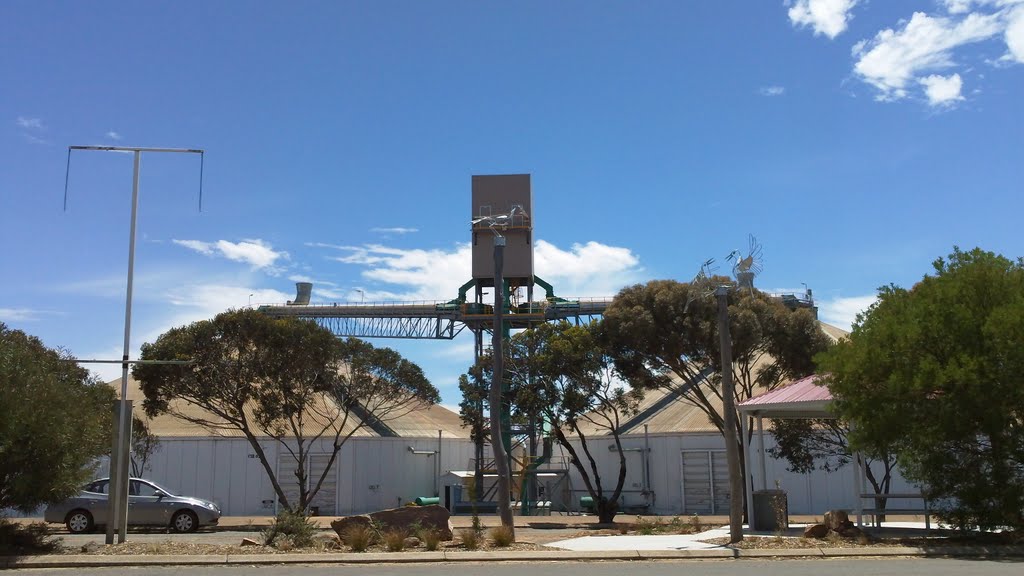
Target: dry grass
502	536
470	538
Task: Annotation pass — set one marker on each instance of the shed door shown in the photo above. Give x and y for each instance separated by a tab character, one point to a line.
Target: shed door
326	500
705	482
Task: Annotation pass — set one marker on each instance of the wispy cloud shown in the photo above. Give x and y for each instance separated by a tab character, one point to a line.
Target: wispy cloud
397	230
22	314
30	123
772	90
826	17
113	135
894	58
255	252
842	311
923	57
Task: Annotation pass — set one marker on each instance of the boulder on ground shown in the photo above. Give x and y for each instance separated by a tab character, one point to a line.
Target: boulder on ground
818	531
405	518
249	542
837	520
851	532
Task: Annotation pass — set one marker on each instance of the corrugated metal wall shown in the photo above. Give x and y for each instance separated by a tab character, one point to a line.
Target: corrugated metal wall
808	493
375	473
369	473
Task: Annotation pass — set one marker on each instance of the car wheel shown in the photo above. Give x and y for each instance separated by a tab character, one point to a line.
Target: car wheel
79	521
184	521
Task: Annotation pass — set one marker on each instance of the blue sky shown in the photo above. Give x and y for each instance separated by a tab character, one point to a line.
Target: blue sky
858	140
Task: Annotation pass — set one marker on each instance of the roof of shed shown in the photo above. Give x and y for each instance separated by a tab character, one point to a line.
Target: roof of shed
422	421
805	398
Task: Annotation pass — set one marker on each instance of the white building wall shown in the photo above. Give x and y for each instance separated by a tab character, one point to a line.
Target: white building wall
376	473
810	494
371	473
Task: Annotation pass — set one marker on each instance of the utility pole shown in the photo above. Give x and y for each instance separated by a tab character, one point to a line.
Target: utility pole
732	449
497	343
118	485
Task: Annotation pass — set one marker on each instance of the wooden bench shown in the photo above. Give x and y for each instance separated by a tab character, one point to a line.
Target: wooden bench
875	512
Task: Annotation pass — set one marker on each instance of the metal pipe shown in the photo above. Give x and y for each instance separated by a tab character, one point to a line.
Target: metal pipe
760	452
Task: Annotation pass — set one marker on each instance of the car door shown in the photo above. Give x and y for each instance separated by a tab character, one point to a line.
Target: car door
146	505
94	499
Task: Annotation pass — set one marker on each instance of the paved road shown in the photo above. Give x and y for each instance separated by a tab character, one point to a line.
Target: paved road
860	567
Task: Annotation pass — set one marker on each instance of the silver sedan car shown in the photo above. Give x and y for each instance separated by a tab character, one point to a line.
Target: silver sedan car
148	505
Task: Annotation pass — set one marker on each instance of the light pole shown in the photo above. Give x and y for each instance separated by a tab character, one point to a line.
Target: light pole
118	486
362	295
732	449
501	461
250	300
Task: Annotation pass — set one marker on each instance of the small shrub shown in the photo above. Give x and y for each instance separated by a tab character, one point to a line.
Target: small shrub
394	539
18	539
502	536
431	538
647	527
675	526
284	543
359	537
470	538
295	525
696	524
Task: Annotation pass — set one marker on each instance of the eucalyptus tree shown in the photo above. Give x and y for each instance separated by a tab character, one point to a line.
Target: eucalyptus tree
287	380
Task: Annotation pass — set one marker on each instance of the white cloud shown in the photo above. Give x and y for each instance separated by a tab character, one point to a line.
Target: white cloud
591	269
113	135
585	270
396	230
772	90
1015	36
30	123
256	253
942	90
893	58
20	314
827	17
842	311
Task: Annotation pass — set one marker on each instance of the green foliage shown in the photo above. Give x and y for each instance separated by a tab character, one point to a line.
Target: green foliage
292	529
287	379
502	536
22	539
696	525
55	420
937	372
564	374
665	333
809	444
143	445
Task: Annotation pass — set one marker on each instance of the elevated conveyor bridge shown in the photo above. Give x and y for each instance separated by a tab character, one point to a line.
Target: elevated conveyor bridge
439	320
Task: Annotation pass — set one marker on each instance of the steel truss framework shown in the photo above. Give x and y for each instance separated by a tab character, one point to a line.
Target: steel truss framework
433	321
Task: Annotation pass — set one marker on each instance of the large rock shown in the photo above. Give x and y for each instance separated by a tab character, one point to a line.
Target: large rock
404	518
837	520
818	531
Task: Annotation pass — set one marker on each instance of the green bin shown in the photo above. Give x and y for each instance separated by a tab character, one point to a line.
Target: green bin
427	500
